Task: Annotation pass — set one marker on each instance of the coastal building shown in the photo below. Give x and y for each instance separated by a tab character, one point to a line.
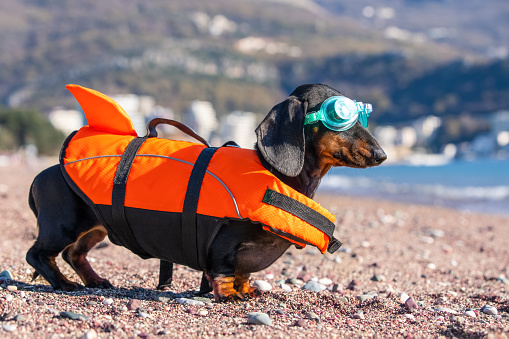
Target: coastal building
66	120
239	127
201	117
138	107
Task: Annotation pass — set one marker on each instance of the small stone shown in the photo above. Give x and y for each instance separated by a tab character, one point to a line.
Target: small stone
123	308
12	288
378	277
269	276
73	316
19	317
133	304
203	312
343	299
445	309
364	297
359	315
353	285
108	301
203	300
313	316
337	287
89	334
312	286
91	303
325	281
489	310
431	266
52	311
301	323
409	316
286	287
9	297
189	301
6	275
470	314
9	327
262	285
338	260
260	319
411	304
144	315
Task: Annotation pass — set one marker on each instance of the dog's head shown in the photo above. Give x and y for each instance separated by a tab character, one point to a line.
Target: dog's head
285	142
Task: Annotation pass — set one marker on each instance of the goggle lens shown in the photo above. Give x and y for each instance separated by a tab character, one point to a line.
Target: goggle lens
339	113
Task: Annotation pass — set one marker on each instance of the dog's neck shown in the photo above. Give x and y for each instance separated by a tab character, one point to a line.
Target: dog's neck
306	182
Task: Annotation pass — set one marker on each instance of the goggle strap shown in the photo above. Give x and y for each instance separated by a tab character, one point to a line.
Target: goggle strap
312	117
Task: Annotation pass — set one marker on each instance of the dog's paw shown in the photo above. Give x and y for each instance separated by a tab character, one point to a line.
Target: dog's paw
69	286
234	297
99	284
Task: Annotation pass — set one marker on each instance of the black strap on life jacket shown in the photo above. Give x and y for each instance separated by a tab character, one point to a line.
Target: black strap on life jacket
305	213
191	199
124	231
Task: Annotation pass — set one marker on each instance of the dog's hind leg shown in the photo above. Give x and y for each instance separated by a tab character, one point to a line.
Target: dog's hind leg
61	218
76	256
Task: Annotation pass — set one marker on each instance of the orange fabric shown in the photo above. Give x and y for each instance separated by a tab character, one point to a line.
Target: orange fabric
160	172
102	112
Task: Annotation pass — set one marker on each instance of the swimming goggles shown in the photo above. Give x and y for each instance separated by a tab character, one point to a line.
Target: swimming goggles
339	113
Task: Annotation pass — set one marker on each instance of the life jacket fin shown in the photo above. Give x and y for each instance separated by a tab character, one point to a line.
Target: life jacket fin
102	112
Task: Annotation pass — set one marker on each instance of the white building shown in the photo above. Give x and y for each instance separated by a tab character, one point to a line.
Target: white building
239	127
201	117
139	108
66	120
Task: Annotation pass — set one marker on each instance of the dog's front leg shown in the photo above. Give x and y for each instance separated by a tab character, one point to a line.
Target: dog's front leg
242	286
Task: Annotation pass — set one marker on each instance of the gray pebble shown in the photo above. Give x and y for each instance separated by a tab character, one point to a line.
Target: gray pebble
19	317
203	300
189	301
359	315
73	316
9	297
489	310
470	313
9	327
6	275
312	316
108	301
378	277
262	285
260	319
312	286
91	303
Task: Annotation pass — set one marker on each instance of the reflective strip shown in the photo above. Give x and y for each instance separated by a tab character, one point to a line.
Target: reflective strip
170	158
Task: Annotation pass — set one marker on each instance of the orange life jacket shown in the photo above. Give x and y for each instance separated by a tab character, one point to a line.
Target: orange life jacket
235	185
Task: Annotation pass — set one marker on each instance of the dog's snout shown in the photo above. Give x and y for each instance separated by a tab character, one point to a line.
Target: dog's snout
378	155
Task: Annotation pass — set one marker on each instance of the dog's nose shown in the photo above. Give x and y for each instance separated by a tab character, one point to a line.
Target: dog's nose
378	155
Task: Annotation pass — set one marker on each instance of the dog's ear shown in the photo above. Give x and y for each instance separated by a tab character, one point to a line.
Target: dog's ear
280	136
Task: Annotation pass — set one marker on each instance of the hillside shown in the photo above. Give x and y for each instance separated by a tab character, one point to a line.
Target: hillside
249	54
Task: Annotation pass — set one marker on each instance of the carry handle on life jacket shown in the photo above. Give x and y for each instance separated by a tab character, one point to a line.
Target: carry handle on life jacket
152	133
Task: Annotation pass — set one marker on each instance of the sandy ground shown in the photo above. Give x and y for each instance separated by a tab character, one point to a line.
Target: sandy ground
446	261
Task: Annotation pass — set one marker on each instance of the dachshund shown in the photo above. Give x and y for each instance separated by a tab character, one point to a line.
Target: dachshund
296	153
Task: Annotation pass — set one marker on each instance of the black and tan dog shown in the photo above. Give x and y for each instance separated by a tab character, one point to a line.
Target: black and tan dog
296	153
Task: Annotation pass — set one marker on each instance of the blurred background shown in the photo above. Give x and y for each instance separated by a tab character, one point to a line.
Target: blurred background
436	73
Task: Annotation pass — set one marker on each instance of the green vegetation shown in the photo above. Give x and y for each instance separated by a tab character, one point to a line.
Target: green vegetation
22	127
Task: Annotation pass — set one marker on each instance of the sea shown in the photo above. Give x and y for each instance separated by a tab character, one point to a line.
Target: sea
480	185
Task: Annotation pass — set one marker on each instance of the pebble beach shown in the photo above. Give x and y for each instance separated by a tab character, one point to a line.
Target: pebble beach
404	270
